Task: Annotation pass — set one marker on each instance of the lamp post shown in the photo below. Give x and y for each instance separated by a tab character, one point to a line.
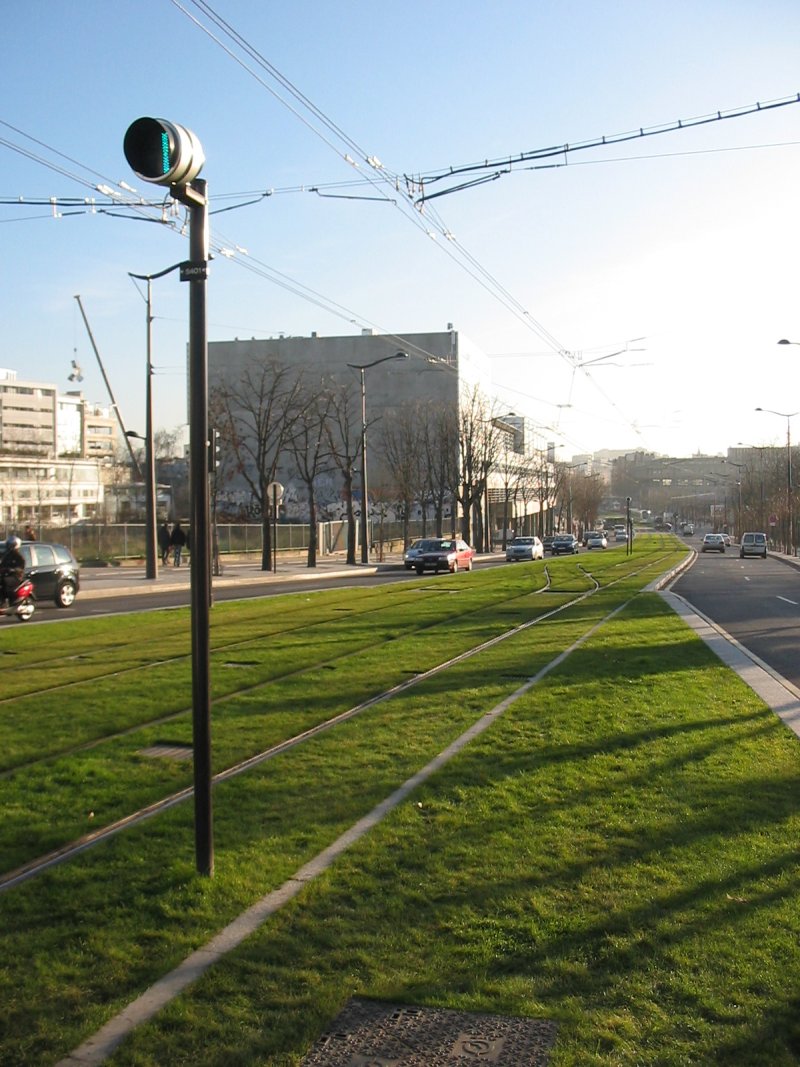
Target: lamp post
151	555
150	461
788	416
739	468
361	367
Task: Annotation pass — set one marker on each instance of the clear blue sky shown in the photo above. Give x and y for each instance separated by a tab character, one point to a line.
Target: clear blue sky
688	239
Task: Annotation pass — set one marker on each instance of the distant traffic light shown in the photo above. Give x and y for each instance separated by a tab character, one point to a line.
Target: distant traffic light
214	451
163	152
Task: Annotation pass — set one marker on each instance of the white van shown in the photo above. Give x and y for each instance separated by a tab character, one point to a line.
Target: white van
753	544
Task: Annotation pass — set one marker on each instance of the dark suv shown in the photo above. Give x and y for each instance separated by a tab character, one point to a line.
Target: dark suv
54	570
565	544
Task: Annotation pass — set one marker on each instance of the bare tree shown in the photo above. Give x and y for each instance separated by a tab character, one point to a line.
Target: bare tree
401	447
166	442
478	443
257	418
310	446
439	439
344	441
588	491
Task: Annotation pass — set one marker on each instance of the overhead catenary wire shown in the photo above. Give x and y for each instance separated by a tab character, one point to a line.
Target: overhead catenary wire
507	163
402	187
435	226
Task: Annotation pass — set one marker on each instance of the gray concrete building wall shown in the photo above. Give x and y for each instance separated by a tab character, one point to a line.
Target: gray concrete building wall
439	366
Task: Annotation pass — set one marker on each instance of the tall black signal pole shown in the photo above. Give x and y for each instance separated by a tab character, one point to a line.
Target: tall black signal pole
167	154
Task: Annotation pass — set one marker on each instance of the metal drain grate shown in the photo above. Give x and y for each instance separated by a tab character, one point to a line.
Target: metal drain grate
374	1034
167	750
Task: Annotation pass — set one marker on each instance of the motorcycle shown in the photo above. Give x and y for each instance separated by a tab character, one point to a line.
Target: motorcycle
22	602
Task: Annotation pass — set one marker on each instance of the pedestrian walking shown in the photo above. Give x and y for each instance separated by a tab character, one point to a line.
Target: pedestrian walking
164	541
29	533
177	540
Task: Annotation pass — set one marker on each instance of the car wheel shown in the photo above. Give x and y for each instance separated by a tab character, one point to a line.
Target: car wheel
469	564
408	566
454	568
420	570
65	595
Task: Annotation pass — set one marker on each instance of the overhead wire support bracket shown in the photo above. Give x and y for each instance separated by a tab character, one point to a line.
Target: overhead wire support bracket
506	165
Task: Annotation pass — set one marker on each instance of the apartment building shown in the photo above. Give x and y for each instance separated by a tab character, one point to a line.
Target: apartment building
54	451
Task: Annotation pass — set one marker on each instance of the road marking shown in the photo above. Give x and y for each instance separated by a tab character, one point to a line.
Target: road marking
786	600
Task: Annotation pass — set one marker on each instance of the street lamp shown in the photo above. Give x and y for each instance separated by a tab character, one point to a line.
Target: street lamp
150	539
739	468
499	422
361	367
788	416
150	461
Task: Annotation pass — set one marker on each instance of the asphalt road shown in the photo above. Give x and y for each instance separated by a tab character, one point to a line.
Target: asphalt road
111	593
756	601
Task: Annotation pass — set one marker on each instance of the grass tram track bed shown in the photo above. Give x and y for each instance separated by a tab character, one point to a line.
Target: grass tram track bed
618	853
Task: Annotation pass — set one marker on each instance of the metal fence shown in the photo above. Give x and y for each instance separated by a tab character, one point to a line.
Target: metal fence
126	540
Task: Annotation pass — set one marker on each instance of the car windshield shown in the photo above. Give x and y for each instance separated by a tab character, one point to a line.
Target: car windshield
442	546
522	541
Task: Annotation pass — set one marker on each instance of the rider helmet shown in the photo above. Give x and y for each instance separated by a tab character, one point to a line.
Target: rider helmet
13	541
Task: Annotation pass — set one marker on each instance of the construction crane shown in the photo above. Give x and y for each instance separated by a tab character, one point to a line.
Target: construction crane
114	404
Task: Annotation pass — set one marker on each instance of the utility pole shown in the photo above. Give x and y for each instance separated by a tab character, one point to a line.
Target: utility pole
167	154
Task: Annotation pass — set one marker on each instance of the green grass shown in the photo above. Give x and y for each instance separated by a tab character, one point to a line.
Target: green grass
616	853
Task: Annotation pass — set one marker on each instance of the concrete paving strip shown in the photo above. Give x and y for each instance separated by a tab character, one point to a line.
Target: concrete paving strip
100	1045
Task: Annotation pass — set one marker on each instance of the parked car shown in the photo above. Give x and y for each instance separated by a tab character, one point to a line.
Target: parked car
547	542
53	569
445	554
753	544
713	543
524	548
565	544
596	540
414	550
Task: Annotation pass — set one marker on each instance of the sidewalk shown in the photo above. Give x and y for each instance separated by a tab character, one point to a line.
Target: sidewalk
126	580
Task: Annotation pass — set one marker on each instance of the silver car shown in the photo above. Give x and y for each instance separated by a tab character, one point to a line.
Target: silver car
524	548
713	543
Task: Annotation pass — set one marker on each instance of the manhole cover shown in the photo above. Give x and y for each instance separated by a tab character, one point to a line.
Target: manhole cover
369	1033
166	750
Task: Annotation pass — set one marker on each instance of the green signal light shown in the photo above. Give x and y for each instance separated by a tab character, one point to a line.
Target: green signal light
165	165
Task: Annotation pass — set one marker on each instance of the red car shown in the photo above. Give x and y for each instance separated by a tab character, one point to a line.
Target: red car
445	554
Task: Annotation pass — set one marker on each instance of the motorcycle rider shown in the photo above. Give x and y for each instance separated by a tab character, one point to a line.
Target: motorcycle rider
12	568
